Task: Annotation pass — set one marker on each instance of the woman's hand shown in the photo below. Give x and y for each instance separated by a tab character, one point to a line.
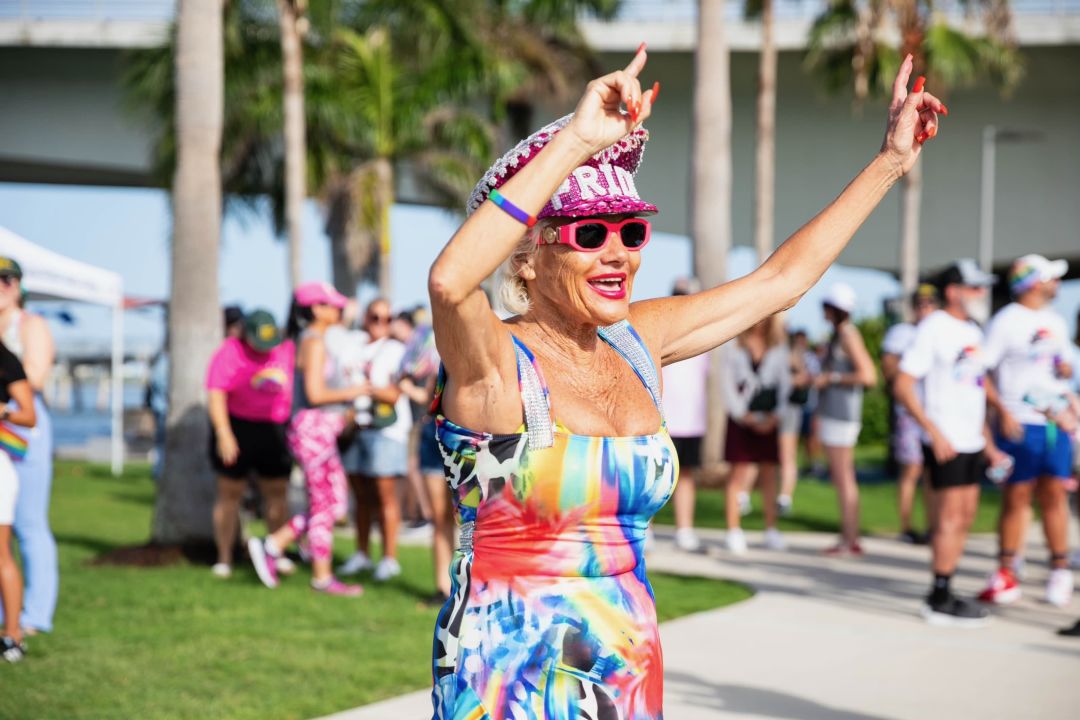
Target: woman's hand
913	119
598	121
227	447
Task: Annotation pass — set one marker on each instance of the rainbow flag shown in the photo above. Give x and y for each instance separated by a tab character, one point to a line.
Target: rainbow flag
12	442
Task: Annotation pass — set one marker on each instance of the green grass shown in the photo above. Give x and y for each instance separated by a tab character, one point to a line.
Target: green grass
815	507
176	643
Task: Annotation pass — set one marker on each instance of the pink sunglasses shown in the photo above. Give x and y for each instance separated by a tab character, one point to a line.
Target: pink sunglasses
592	235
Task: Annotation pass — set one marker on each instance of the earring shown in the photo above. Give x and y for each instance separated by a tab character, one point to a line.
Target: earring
549	235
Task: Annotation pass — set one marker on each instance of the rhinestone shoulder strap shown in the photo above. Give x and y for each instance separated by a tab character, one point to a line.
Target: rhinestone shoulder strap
539	423
625	340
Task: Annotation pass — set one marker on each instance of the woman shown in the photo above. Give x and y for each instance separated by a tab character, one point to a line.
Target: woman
27	336
552	615
756	388
847	369
419	372
250	384
791	423
322	413
13	387
378	458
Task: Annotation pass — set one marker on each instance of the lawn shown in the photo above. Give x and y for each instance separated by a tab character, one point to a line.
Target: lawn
815	507
176	643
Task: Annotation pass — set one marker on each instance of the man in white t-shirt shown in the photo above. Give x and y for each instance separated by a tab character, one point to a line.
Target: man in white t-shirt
377	459
1027	346
946	356
906	437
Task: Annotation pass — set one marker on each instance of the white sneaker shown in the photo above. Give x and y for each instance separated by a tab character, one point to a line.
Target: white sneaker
1059	587
735	541
687	540
745	506
387	568
222	570
285	566
784	506
774	539
357	562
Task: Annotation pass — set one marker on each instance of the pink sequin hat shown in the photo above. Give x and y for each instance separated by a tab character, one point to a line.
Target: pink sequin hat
604	185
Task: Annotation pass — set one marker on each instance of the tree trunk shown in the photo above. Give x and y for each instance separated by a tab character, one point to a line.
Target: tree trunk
292	62
765	171
384	171
910	213
186	489
711	191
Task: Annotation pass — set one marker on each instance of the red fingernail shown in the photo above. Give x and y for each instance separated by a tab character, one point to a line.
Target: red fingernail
919	83
944	110
640	48
921	138
655	91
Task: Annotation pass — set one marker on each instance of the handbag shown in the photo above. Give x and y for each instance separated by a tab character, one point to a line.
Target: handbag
765	400
383	415
11	442
799	395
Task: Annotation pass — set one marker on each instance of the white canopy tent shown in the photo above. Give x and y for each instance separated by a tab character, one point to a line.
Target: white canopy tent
50	276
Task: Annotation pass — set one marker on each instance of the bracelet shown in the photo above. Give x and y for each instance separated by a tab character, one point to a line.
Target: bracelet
511	209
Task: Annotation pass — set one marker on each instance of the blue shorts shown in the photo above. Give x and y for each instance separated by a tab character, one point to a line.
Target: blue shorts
372	454
431	460
1036	456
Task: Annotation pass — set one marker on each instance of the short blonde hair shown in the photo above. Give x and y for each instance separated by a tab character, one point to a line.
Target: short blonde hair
510	288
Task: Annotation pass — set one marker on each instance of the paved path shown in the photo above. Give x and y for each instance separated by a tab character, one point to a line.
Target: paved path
840	639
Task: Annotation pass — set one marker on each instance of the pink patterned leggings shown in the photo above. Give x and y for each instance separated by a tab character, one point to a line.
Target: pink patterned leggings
312	437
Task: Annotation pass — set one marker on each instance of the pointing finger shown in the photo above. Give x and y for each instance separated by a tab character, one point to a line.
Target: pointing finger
636	65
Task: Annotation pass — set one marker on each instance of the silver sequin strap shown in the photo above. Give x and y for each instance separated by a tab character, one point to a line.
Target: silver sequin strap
625	340
465	541
538	422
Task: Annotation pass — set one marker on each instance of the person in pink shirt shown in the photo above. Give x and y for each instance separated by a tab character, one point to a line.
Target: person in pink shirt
250	383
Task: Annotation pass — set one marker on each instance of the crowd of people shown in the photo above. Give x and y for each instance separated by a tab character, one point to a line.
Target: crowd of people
344	398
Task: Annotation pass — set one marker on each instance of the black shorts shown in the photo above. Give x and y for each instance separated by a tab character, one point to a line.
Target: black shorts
689	451
263	450
964	469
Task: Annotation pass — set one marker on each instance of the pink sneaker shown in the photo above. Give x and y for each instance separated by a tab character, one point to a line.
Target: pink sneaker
336	587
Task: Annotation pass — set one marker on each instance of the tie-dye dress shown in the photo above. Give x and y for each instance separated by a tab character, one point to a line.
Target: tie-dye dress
552	616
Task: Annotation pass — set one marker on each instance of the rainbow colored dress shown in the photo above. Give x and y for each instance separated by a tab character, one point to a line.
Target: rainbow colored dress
552	616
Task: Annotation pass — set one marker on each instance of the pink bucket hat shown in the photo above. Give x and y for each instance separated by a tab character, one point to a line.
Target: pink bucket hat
319	293
604	185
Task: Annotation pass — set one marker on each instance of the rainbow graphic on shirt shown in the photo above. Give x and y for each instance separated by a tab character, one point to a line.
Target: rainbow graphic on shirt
270	380
12	443
968	366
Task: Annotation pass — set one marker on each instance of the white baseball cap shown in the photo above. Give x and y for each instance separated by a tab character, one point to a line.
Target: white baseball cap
841	296
1031	269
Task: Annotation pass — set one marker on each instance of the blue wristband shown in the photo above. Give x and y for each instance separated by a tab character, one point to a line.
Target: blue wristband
511	209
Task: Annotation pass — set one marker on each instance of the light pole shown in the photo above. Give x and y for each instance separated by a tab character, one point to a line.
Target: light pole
991	137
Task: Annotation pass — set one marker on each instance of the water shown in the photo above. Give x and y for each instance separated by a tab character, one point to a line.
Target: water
73	428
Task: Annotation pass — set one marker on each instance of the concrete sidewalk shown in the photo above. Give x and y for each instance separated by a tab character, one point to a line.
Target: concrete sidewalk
826	638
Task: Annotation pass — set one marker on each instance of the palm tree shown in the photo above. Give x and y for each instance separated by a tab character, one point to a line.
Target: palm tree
186	487
293	26
711	202
849	47
765	156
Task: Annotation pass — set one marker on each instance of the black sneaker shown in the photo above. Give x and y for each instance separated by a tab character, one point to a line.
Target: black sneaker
954	612
915	538
12	651
1073	631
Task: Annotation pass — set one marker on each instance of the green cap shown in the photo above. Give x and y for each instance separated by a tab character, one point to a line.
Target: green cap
10	267
261	331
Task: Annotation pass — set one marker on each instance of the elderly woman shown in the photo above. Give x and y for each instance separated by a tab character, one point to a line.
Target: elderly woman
549	422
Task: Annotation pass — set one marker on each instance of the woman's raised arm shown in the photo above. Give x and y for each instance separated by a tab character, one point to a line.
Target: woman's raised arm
689	325
473	345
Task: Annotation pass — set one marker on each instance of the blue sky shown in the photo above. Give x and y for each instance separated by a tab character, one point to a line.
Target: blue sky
127	231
